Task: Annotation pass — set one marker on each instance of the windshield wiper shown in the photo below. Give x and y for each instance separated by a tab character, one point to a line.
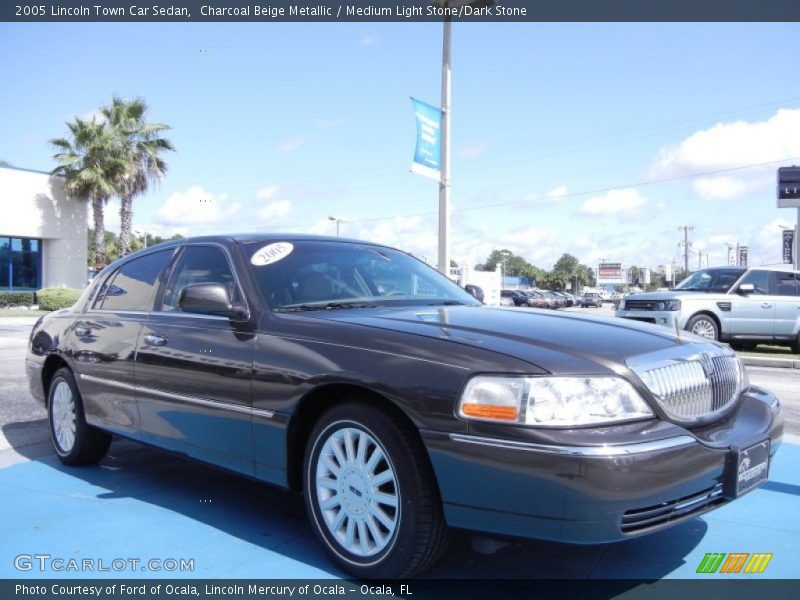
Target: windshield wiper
327	306
447	303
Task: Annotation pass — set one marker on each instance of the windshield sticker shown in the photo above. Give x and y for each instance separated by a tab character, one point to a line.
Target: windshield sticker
271	253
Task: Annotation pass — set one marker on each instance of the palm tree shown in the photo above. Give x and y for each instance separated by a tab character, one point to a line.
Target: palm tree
141	144
91	165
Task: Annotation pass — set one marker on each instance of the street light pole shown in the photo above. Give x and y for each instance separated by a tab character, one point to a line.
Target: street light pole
338	220
444	181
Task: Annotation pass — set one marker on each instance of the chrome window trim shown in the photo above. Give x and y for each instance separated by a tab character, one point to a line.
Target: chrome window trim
181	397
591	451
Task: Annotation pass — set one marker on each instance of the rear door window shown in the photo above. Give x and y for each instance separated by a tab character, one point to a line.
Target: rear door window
787	284
134	285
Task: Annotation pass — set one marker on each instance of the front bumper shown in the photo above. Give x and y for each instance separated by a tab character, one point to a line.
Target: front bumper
660	475
658	317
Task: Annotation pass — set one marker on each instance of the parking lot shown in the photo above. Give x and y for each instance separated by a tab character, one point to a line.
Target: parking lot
145	504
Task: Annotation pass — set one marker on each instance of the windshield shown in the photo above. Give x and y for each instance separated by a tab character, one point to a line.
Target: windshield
710	280
318	275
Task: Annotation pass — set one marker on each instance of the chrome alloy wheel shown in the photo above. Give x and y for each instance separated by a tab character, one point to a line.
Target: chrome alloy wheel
64	417
357	492
704	328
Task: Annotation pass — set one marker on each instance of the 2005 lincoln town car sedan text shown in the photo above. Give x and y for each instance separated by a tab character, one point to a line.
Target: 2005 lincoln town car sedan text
398	404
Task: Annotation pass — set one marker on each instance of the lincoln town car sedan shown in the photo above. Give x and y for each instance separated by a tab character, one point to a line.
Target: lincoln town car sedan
399	405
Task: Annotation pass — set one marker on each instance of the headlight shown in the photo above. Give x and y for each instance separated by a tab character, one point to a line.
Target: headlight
668	305
551	401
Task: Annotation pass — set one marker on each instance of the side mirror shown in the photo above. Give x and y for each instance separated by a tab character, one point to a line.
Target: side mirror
209	299
747	288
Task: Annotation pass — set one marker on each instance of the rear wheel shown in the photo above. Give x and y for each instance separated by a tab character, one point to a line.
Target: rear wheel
75	441
371	495
704	326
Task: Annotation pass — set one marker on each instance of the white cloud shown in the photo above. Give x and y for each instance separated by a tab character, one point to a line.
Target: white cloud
554	196
267	193
731	145
195	207
614	202
275	210
291	145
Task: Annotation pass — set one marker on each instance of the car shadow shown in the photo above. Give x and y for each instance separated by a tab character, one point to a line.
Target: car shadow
275	520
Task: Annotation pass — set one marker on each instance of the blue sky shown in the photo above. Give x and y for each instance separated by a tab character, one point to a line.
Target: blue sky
278	126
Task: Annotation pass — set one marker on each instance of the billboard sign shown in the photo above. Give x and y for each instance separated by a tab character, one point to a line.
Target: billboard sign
428	151
610	273
789	187
742	256
788	246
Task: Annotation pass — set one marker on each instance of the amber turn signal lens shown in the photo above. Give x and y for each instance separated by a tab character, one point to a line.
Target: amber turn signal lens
483	411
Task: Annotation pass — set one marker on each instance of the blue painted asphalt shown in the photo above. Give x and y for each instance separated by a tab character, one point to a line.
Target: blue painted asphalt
141	503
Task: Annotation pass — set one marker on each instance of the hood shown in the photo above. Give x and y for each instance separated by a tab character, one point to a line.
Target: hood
566	343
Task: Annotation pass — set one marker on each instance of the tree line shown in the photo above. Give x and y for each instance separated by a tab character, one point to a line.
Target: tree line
567	270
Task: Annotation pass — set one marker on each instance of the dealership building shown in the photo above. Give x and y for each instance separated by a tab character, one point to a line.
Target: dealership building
42	232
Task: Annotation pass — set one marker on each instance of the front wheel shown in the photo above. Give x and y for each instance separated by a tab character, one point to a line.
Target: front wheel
371	495
704	326
75	441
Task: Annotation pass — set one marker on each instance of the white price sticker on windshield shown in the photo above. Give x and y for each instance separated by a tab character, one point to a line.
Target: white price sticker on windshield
271	253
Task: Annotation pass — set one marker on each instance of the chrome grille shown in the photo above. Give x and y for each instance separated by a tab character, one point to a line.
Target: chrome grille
641	304
695	389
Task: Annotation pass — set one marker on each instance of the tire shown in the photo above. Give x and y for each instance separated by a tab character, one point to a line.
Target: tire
391	528
75	441
704	326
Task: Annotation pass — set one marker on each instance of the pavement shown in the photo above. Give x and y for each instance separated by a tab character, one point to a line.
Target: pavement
144	504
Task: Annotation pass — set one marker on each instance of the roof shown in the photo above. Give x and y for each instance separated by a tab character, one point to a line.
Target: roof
13	168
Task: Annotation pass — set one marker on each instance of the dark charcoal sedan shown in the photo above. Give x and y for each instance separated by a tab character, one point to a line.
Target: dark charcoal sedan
398	404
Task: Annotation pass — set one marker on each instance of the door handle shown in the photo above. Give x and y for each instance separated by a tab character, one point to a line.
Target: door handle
154	340
766	305
82	331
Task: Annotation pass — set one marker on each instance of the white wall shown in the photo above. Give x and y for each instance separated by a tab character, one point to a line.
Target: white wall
34	205
488	281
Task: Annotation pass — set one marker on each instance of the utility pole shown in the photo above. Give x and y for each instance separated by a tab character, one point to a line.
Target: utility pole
444	181
687	245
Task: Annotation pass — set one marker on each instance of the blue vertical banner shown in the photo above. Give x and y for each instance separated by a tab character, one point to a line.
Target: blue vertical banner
428	153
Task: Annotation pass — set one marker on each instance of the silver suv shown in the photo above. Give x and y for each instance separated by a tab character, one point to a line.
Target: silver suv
735	304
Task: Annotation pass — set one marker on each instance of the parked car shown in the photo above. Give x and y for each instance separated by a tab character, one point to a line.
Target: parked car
517	297
590	299
553	301
394	401
536	300
735	304
506	301
568	300
475	291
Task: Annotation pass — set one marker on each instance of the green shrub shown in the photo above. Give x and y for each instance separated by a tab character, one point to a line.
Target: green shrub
16	299
57	298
